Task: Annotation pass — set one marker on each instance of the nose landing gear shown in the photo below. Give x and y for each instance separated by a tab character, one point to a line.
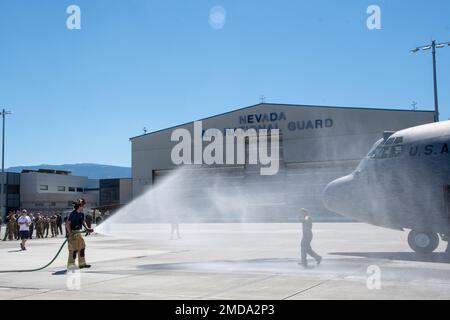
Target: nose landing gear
423	242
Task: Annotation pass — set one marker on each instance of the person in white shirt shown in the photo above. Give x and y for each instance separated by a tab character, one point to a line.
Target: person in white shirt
24	222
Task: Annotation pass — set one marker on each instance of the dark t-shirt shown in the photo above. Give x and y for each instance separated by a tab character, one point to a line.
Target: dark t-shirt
307	228
76	220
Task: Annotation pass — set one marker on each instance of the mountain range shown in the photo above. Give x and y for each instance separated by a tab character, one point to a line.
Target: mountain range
90	170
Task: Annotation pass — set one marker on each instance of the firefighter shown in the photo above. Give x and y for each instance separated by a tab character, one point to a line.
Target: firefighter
306	240
76	243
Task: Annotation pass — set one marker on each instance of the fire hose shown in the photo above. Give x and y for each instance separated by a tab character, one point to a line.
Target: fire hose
53	260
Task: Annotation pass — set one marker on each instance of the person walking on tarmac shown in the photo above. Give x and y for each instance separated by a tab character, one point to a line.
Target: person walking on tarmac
77	247
306	240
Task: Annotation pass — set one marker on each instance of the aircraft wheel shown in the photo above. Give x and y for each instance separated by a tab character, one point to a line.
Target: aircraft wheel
423	242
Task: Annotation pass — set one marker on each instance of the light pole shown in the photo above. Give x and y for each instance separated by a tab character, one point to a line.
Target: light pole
433	48
4	113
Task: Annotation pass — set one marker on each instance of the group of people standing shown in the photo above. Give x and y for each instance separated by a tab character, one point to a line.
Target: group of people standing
40	225
21	225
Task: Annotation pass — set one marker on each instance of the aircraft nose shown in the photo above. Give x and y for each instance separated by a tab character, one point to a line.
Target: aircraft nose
338	195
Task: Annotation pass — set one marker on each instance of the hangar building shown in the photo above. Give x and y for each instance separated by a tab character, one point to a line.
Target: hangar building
317	145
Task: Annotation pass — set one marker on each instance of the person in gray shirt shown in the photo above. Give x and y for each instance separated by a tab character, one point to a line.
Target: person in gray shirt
306	248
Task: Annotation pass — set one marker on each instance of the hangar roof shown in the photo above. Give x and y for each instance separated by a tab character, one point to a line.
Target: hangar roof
283	105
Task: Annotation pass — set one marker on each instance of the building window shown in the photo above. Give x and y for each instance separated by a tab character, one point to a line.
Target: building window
79	189
53	204
61	188
43	187
71	189
38	204
12	189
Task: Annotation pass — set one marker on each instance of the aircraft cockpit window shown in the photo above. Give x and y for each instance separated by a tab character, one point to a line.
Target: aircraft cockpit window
390	141
398	140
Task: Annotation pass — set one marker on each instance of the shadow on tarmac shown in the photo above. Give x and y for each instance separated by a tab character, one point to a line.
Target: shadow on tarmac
436	257
60	273
268	265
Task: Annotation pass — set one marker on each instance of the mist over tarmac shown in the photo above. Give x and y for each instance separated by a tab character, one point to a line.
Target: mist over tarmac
201	203
213	206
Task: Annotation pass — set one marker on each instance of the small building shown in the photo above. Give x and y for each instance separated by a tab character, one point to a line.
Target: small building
115	191
54	190
113	195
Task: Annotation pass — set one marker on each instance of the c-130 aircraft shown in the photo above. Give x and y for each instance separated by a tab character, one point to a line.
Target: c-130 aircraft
403	183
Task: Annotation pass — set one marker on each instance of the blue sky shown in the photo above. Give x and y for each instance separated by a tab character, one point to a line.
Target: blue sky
79	95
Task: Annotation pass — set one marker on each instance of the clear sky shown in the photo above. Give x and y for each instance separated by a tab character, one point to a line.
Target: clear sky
79	95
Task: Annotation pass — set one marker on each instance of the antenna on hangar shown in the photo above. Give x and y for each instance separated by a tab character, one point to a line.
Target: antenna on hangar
262	98
145	130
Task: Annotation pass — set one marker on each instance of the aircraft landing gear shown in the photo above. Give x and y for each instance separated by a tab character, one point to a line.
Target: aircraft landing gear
423	242
445	237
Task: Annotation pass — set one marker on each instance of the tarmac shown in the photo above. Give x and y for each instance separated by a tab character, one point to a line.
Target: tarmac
257	262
